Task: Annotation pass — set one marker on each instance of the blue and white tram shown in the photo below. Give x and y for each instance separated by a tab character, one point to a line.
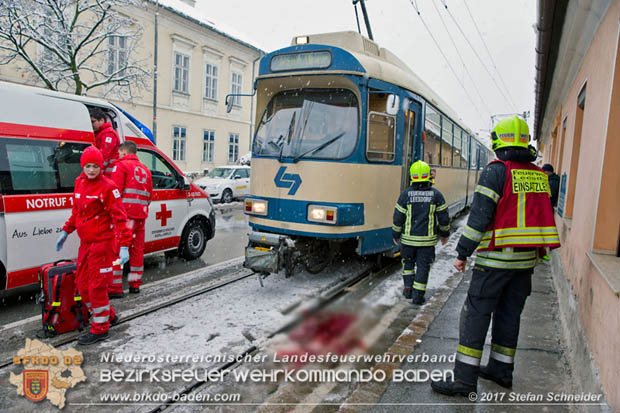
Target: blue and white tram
339	121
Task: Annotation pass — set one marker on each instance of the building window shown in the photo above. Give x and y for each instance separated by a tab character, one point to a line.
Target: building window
181	73
235	87
211	73
208	141
117	54
233	147
178	143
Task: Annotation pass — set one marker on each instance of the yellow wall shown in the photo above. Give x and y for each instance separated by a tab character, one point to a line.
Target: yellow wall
190	111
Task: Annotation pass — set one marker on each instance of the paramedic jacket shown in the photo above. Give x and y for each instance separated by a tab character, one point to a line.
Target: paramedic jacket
420	215
484	205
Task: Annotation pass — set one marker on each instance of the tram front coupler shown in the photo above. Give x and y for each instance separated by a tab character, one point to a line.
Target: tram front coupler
269	253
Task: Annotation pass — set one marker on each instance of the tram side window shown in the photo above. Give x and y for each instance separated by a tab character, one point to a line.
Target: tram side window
380	144
475	154
465	157
38	167
457	147
432	145
446	144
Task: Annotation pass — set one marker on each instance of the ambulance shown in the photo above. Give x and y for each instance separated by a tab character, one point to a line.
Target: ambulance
42	136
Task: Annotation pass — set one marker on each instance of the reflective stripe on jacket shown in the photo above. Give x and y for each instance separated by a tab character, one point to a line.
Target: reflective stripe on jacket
524	216
97	211
135	183
420	216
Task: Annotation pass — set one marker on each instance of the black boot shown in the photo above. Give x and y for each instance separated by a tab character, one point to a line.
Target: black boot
454	388
116	295
407	292
134	290
418	297
91	338
115	320
500	373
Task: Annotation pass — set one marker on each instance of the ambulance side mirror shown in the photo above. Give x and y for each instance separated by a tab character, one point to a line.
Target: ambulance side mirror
184	183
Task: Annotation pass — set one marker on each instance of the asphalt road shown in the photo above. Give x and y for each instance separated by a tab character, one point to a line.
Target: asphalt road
229	242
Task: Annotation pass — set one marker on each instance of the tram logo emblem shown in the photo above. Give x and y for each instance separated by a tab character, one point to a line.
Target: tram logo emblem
283	180
35	384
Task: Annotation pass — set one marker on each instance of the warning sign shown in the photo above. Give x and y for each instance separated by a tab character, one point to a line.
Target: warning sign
524	180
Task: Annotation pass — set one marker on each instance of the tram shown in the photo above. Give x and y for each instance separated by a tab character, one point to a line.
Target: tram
339	122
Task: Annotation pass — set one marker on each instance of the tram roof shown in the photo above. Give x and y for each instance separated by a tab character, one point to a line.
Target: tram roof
380	63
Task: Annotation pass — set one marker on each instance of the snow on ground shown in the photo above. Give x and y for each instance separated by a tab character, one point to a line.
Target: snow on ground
219	322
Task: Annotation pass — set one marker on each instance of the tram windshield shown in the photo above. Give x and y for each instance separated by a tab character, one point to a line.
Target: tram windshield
309	123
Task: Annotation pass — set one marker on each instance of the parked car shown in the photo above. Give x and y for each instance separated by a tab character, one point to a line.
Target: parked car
226	183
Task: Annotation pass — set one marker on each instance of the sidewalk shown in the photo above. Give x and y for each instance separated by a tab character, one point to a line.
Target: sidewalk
541	366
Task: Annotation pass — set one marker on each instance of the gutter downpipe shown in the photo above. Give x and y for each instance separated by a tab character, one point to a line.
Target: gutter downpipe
544	26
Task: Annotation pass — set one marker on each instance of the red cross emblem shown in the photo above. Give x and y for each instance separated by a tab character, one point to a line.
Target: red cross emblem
139	174
164	214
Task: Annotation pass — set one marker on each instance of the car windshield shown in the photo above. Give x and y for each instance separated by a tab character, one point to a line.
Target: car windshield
309	123
219	173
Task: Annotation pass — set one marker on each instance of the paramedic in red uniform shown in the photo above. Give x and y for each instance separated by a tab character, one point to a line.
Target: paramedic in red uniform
97	215
134	182
106	139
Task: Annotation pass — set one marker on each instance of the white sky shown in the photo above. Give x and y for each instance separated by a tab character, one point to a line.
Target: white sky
506	26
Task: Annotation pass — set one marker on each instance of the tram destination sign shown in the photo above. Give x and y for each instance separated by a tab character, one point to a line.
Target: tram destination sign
301	61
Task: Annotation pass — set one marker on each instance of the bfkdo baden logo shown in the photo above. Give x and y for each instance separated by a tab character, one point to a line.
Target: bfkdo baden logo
36	383
47	372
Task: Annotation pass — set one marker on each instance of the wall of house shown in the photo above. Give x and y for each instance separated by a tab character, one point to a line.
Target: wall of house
586	150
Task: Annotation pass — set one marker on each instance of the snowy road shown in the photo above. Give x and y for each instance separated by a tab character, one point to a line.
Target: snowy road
225	323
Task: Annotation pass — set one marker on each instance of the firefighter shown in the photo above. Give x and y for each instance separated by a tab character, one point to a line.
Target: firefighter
97	215
135	184
420	215
106	139
510	222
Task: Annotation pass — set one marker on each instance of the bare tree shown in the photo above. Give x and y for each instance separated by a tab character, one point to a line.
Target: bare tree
74	45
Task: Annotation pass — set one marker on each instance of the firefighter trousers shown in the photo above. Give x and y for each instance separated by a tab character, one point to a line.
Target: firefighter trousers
136	259
94	267
420	258
500	294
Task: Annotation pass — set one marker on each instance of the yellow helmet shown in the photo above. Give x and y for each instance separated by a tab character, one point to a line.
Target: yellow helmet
508	132
420	172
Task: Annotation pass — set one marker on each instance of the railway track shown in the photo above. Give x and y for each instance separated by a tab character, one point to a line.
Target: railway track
128	316
302	311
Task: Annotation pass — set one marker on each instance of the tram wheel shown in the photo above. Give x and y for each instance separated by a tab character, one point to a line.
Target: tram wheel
317	257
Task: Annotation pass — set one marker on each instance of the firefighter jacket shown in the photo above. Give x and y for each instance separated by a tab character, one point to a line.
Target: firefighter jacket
420	214
134	181
107	141
510	217
97	211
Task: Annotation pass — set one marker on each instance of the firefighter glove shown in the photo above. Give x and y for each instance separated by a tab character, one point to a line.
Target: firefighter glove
61	240
124	255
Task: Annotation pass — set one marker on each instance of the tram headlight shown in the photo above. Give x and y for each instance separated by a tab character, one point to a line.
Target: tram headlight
323	214
256	206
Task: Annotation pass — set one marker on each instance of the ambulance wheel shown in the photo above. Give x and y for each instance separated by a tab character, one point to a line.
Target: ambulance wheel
227	196
193	240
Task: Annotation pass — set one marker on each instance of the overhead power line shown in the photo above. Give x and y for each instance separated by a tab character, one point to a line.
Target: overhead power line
479	58
415	6
461	58
499	74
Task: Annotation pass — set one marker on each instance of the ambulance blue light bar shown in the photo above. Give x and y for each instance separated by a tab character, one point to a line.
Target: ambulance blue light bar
301	61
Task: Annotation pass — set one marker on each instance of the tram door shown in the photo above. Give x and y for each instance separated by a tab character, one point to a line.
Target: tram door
408	143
